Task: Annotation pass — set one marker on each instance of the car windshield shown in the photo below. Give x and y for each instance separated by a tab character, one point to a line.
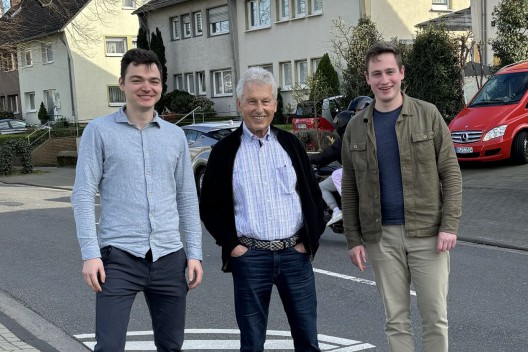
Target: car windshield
502	89
218	135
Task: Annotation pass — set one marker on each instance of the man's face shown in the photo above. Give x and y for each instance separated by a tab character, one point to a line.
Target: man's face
257	106
142	86
384	78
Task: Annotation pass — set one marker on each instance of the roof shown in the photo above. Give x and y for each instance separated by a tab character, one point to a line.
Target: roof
31	20
157	4
455	21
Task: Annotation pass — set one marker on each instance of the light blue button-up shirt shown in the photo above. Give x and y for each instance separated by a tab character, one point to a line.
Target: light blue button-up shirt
147	191
267	205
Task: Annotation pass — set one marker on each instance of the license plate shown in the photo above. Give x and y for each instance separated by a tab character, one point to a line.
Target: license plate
464	150
301	126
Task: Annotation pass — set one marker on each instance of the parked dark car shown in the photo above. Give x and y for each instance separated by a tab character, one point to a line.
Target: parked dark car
201	138
11	126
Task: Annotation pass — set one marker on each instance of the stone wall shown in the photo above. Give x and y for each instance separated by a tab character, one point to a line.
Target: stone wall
46	153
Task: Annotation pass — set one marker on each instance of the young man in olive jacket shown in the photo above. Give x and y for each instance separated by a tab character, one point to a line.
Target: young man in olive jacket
262	204
401	199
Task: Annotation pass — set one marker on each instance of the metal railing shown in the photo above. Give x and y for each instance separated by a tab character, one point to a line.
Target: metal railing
45	126
193	115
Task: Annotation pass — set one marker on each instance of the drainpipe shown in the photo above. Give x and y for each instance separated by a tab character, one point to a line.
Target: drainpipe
233	33
484	33
70	76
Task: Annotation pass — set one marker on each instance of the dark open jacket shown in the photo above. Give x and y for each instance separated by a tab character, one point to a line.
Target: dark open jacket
217	208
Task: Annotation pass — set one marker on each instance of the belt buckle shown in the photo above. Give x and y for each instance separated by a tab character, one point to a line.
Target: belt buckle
277	245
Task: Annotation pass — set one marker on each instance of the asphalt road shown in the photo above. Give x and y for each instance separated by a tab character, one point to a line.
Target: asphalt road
41	265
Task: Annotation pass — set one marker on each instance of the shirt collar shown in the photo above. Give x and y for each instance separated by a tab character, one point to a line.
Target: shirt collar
122	117
247	134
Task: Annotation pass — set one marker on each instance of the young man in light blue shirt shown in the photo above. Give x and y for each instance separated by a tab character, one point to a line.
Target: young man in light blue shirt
141	167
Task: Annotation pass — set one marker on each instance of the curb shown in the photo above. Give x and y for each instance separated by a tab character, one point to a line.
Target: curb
34	329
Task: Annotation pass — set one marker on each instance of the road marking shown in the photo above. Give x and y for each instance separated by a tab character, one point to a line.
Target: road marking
277	340
351	278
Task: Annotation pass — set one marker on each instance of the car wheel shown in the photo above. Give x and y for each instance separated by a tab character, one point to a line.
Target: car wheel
199	179
519	154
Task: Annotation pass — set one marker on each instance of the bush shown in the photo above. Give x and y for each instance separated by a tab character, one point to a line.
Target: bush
314	142
43	114
15	147
7	115
181	102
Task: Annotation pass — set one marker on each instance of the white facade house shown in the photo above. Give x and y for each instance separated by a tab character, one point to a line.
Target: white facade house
70	60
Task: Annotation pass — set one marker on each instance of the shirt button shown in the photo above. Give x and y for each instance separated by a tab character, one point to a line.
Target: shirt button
355	146
425	136
377	220
375	196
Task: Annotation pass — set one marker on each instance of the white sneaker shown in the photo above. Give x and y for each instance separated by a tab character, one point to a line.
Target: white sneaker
336	216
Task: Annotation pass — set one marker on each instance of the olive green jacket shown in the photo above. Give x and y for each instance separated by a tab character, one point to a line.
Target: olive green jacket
431	178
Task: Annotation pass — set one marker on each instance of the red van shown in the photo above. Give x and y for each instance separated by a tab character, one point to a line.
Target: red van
494	125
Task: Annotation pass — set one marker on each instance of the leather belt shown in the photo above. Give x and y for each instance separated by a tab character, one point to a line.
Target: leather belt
275	245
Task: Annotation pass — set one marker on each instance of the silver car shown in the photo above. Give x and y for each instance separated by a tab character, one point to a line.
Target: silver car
201	138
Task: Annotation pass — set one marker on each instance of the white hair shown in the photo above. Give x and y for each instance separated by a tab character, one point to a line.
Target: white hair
257	75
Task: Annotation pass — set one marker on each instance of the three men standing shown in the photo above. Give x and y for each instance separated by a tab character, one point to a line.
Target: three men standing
401	198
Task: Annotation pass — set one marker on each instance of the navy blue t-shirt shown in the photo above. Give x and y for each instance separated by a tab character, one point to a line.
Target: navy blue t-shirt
392	210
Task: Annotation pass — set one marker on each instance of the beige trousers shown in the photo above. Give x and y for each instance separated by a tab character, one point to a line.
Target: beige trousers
397	260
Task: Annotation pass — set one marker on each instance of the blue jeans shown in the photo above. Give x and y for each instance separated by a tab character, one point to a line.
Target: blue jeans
254	274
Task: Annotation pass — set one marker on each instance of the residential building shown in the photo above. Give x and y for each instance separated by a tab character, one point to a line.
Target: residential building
398	18
199	46
484	28
69	57
287	37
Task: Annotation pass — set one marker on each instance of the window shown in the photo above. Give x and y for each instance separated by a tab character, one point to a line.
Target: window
116	46
286	75
316	7
198	25
129	4
178	82
222	83
300	8
116	97
284	9
10	62
134	43
30	102
315	64
47	53
440	5
201	82
175	28
189	78
3	105
12	103
218	20
258	13
27	58
301	72
186	20
267	67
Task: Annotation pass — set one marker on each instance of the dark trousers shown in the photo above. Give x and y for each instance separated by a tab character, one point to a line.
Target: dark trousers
165	288
254	275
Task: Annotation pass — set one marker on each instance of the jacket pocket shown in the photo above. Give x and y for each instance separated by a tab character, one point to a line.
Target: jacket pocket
423	145
358	154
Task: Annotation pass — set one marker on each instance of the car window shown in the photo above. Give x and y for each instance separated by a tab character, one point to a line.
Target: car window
502	89
192	136
4	125
218	135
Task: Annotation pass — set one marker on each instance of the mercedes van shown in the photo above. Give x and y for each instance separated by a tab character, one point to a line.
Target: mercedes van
494	125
